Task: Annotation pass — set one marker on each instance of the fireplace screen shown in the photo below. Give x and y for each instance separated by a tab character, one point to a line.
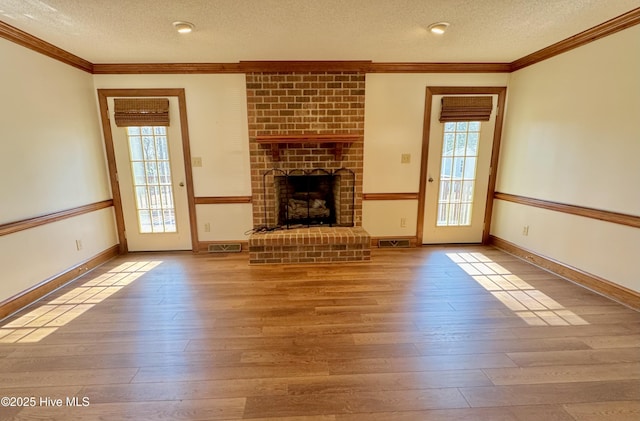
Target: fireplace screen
299	198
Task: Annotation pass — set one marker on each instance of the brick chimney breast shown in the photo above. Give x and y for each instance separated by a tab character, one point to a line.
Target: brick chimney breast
290	104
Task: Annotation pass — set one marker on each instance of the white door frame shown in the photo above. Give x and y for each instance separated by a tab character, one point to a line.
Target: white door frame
501	91
103	94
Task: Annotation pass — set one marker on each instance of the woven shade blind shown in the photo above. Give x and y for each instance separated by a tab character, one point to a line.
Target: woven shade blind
466	108
141	112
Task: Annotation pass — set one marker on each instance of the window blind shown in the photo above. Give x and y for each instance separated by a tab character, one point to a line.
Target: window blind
141	112
466	108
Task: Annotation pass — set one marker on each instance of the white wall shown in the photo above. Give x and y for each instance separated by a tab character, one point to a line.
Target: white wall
226	222
385	218
51	160
394	122
34	255
218	134
572	136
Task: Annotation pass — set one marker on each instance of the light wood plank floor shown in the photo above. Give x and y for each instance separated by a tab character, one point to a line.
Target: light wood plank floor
436	333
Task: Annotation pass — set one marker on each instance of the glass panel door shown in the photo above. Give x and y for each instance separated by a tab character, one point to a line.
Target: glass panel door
458	171
151	169
151	176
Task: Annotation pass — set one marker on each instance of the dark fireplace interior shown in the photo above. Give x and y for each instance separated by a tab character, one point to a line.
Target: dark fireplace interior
310	198
306	199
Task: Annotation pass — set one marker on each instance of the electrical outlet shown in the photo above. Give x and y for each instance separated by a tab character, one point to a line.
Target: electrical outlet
405	158
525	230
196	161
207	227
403	222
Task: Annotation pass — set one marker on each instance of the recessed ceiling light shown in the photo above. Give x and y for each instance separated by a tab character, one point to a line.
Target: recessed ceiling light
183	27
438	28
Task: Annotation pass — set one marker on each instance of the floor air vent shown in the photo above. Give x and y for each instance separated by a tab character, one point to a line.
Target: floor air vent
225	248
393	243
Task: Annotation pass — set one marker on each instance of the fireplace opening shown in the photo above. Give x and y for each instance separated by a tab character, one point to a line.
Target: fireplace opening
299	198
306	199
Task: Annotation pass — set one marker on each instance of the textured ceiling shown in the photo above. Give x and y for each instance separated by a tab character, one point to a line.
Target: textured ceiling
140	31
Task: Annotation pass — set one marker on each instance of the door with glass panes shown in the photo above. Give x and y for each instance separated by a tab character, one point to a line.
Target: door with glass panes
151	177
458	170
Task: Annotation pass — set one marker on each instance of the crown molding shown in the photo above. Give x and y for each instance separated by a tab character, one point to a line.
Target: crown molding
165	68
240	67
298	66
607	28
305	66
24	39
439	68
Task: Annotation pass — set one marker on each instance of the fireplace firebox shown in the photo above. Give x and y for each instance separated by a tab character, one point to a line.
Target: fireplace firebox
303	198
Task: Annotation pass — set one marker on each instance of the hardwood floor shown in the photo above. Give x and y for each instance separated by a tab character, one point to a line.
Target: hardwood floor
435	333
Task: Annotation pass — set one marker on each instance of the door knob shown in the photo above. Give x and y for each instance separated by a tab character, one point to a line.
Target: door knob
430	180
181	184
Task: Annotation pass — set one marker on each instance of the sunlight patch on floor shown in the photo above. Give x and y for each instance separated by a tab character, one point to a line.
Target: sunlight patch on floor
531	305
57	312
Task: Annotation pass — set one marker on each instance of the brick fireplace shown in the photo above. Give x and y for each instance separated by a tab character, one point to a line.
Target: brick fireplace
315	197
305	122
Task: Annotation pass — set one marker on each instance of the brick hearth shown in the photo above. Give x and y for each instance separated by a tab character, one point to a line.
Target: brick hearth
311	245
